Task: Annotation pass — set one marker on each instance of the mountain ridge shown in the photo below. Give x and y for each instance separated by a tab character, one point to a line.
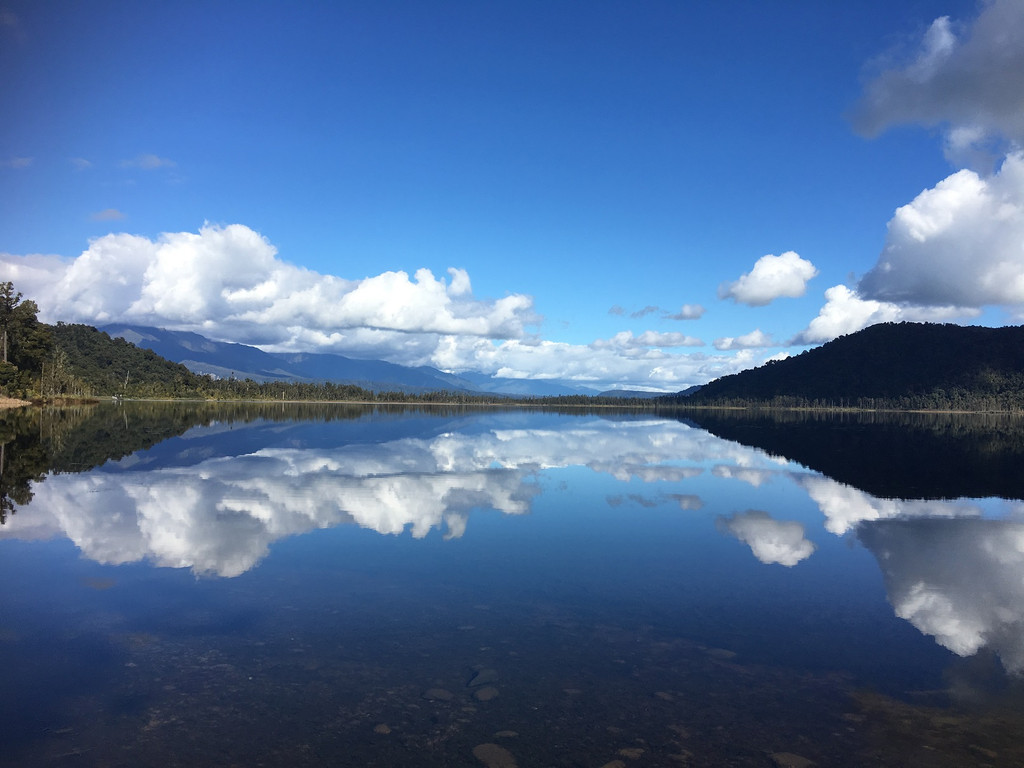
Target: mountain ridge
890	365
230	359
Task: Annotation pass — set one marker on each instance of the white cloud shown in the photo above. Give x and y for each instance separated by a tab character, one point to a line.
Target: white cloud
771	541
688	312
756	339
148	162
646	340
951	251
959	243
846	311
967	78
17	162
771	278
107	214
228	282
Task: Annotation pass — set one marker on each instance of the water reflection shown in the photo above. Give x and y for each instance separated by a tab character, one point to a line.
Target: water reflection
959	581
220	515
771	540
671	592
949	570
846	508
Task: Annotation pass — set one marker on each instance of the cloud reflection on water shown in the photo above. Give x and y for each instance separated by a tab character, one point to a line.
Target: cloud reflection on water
951	572
960	581
771	540
219	516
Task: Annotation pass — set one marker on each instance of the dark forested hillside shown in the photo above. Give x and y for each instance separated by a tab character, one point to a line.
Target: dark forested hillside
891	365
100	364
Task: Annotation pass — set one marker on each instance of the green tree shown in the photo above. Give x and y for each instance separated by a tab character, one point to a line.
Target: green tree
9	301
24	342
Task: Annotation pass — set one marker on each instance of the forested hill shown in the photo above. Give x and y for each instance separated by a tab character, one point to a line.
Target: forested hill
891	365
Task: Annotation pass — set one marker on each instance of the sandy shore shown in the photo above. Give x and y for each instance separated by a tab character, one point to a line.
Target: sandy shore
10	402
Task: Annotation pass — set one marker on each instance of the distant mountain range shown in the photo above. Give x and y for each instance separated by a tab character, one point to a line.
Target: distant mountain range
891	365
223	360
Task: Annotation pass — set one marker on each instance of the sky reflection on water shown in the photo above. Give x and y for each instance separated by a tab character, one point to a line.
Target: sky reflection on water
612	521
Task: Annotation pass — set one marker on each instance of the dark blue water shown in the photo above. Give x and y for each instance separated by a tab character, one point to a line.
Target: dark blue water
630	588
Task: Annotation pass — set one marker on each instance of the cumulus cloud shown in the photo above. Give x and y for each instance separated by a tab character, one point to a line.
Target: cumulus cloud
951	251
771	278
960	243
967	78
846	311
687	312
228	282
756	339
771	541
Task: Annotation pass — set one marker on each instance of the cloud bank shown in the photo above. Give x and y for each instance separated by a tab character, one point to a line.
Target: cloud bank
228	283
229	278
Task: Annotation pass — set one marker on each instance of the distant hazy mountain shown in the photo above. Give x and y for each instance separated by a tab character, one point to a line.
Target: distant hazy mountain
202	355
631	393
903	365
482	382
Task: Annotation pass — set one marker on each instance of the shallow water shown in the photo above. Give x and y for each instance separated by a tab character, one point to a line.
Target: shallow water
386	587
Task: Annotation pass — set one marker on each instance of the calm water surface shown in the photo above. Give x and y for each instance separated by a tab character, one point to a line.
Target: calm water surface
341	586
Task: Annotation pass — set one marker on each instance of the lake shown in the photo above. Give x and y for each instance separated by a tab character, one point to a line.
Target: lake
285	585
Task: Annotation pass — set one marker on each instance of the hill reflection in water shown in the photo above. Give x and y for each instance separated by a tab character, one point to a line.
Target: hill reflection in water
642	562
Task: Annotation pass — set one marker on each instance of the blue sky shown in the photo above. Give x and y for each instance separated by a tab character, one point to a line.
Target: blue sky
637	194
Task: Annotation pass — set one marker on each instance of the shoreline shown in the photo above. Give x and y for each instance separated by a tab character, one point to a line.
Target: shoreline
9	403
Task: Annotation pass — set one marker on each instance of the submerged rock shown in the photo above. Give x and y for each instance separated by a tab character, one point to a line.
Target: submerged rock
483	677
494	756
486	693
790	760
